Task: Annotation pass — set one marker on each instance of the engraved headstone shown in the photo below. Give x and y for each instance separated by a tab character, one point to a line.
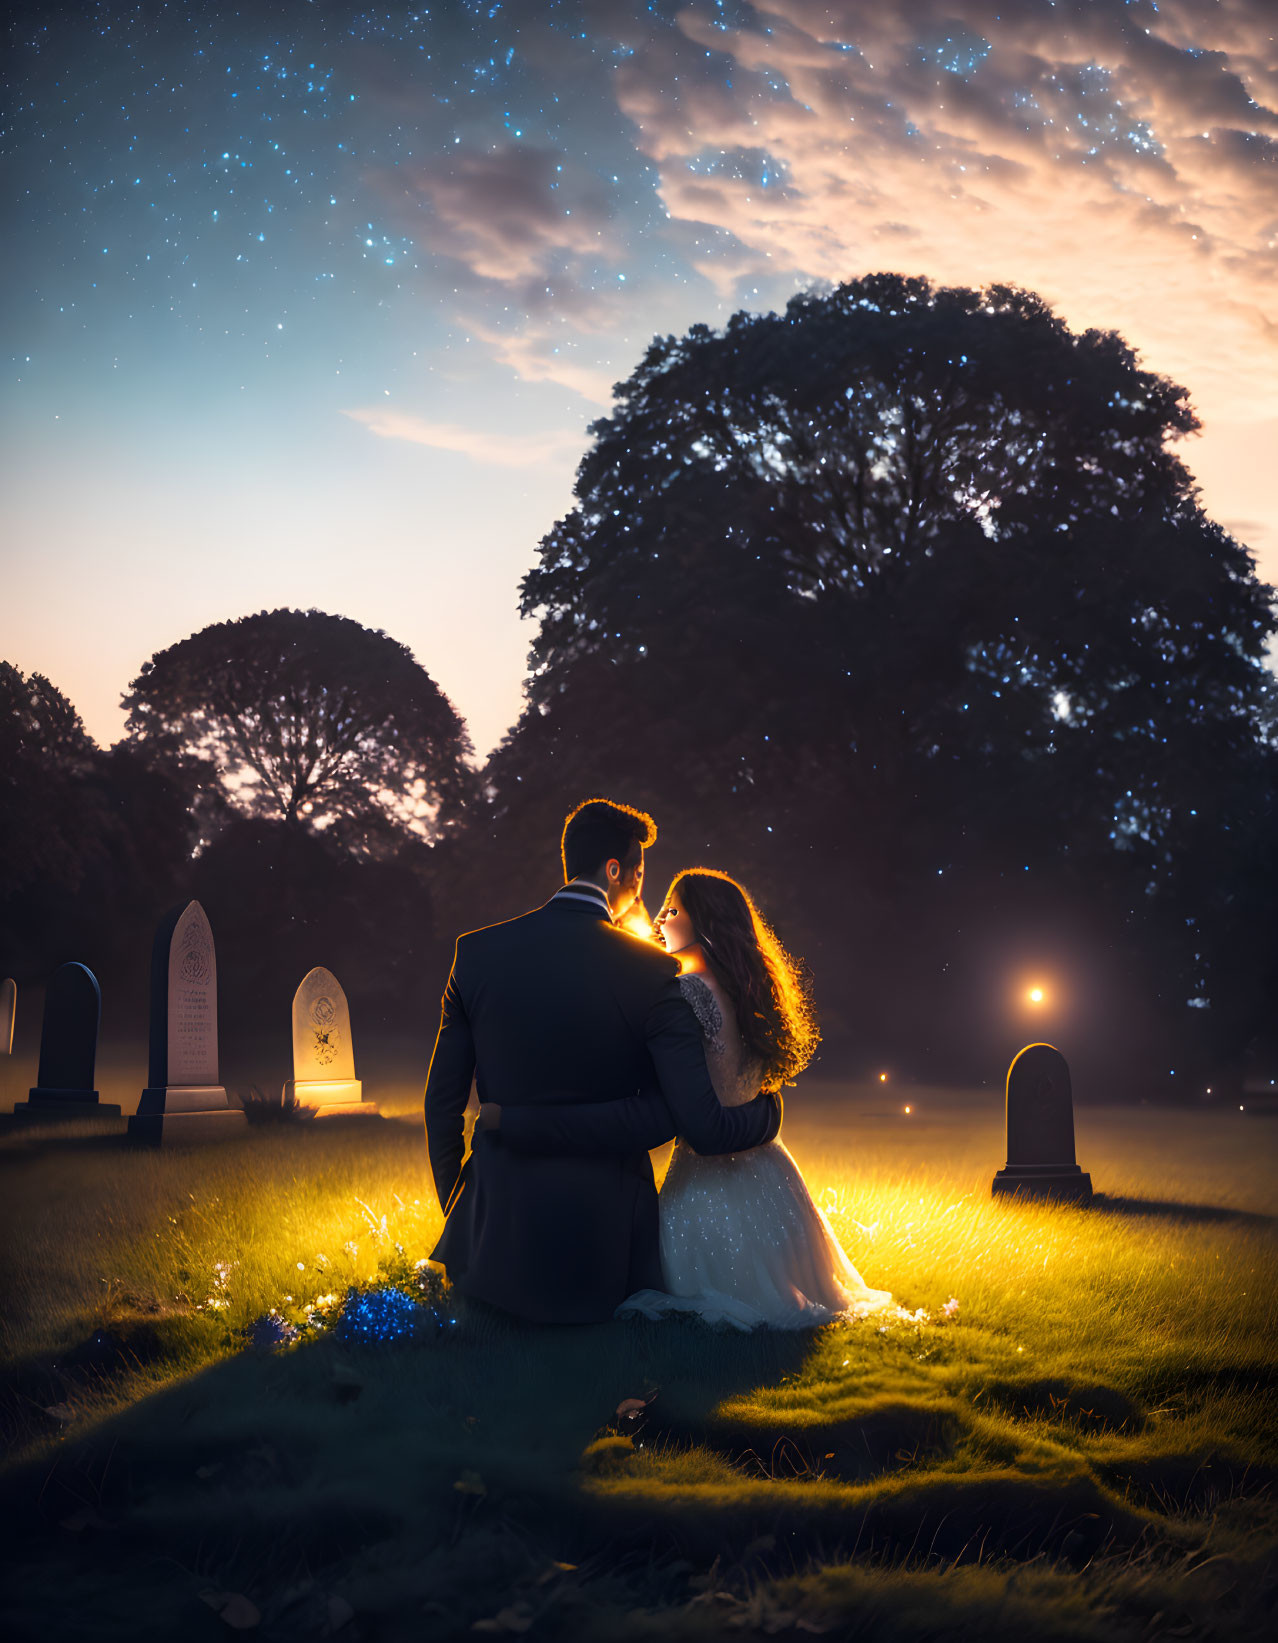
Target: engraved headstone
68	1051
1040	1130
323	1053
183	1100
8	1014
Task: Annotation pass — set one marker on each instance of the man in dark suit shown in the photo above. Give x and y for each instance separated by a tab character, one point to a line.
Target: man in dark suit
562	1006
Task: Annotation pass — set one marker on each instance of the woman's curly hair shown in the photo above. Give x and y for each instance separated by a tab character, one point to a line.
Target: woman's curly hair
769	991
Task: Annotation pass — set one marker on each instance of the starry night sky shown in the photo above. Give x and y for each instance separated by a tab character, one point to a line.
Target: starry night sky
311	305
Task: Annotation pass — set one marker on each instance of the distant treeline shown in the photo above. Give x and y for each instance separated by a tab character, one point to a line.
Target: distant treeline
897	605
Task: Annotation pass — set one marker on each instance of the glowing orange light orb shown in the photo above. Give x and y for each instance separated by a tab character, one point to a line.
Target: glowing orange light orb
882	1078
909	1109
637	922
1036	995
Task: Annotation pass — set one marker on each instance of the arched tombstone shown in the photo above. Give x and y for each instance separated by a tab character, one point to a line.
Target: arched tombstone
183	1100
68	1051
323	1051
8	1014
1040	1130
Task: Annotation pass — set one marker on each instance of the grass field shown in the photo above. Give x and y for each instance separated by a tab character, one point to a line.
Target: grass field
1084	1446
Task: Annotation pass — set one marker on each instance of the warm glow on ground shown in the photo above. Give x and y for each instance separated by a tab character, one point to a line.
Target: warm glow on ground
1051	1370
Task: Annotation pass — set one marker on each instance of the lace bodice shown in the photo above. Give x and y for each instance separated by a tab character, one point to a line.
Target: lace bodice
736	1076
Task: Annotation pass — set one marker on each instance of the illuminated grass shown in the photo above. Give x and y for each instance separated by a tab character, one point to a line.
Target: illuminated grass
1093	1421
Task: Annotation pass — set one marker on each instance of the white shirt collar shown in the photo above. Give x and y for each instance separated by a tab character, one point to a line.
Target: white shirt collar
579	890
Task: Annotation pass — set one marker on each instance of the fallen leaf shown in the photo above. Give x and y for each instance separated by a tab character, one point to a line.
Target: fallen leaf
470	1483
554	1570
234	1609
628	1408
61	1412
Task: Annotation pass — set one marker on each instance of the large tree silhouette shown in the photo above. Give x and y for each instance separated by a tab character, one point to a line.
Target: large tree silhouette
310	719
905	591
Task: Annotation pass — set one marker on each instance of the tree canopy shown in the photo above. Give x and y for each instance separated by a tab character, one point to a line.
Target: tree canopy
906	589
309	719
44	752
92	842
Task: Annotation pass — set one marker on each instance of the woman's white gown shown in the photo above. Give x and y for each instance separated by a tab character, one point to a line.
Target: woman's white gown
742	1243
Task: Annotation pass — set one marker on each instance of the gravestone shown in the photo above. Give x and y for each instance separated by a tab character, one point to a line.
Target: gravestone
183	1100
8	1014
323	1052
68	1051
1040	1130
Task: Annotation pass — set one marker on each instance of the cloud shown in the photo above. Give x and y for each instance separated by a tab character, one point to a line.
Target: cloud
537	354
1120	160
512	211
480	444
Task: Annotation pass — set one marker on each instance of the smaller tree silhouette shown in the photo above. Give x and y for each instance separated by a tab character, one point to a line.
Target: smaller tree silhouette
310	719
45	754
92	842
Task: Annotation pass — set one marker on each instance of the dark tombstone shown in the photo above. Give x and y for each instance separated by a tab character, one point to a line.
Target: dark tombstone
68	1051
183	1100
8	1014
1040	1130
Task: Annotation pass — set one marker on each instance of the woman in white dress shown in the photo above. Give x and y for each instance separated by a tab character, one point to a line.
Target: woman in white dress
742	1242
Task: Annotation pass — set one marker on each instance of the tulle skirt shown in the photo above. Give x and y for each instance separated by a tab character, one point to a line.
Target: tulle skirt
742	1244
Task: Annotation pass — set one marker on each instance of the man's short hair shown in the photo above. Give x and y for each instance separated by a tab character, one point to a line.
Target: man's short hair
599	831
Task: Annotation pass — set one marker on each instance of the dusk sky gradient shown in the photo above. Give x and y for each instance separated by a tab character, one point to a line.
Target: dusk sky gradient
311	306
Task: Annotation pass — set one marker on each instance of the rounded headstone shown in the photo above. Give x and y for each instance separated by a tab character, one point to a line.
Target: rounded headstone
1040	1109
322	1047
69	1031
1040	1130
68	1051
324	1078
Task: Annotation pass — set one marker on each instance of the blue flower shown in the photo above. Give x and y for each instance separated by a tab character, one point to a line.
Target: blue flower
270	1332
377	1317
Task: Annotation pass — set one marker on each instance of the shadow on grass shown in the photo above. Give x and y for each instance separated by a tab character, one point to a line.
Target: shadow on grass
1194	1480
1091	1407
496	1394
75	1136
1204	1214
453	1468
887	1436
434	1487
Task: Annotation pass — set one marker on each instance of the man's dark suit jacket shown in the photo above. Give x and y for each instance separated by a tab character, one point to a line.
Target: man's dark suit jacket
561	1007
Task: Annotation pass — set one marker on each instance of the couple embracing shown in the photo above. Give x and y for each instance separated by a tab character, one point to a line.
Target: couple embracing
589	1047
